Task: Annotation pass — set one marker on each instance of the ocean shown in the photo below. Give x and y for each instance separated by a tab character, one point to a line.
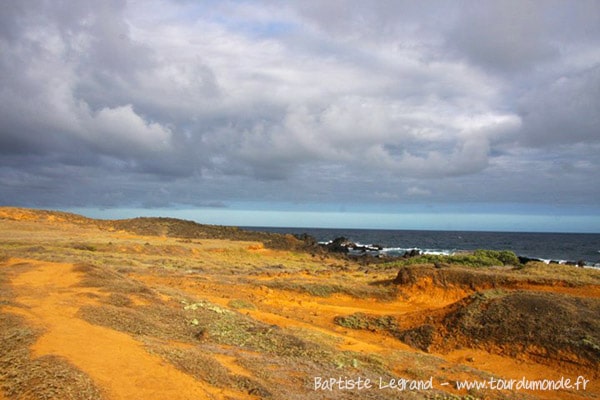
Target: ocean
561	247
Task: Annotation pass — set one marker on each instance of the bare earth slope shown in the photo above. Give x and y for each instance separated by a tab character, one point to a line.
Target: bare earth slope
169	309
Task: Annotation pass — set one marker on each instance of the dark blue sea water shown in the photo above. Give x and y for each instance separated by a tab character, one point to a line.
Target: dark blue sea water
545	246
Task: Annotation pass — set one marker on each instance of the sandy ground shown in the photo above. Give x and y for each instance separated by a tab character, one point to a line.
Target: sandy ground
243	282
114	360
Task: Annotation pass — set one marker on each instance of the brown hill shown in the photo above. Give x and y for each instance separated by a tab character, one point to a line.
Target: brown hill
161	226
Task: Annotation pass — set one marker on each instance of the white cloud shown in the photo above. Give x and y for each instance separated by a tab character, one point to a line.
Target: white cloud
121	126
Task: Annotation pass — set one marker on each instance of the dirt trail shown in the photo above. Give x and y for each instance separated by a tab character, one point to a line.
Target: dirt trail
115	361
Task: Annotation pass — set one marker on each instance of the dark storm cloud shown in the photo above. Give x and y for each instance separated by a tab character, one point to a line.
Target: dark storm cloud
504	36
163	102
566	111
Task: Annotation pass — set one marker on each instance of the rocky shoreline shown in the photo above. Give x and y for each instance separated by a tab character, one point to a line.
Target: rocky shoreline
343	245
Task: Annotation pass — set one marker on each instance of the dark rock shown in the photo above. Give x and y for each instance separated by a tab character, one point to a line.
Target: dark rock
365	249
340	245
412	253
525	260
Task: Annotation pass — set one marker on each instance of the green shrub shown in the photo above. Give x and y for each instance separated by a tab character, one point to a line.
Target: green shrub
479	258
504	256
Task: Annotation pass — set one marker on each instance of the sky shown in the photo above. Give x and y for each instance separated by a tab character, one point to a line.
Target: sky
393	114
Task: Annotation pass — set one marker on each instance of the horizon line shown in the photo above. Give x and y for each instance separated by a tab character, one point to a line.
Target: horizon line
412	221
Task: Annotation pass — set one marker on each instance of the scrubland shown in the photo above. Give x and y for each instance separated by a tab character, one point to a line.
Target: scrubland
168	309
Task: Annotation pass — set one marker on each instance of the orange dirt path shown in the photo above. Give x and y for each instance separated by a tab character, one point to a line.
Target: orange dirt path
115	361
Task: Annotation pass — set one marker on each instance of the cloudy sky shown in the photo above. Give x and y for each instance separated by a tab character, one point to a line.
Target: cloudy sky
398	114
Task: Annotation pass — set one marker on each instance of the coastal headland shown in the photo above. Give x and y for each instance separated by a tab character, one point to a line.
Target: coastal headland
160	308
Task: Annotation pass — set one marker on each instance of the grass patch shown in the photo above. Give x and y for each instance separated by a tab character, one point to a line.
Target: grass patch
551	273
196	362
231	328
84	246
118	300
157	320
314	289
111	281
367	322
240	304
359	291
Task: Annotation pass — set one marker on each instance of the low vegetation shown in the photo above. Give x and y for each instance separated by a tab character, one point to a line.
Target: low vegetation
252	315
478	258
326	289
